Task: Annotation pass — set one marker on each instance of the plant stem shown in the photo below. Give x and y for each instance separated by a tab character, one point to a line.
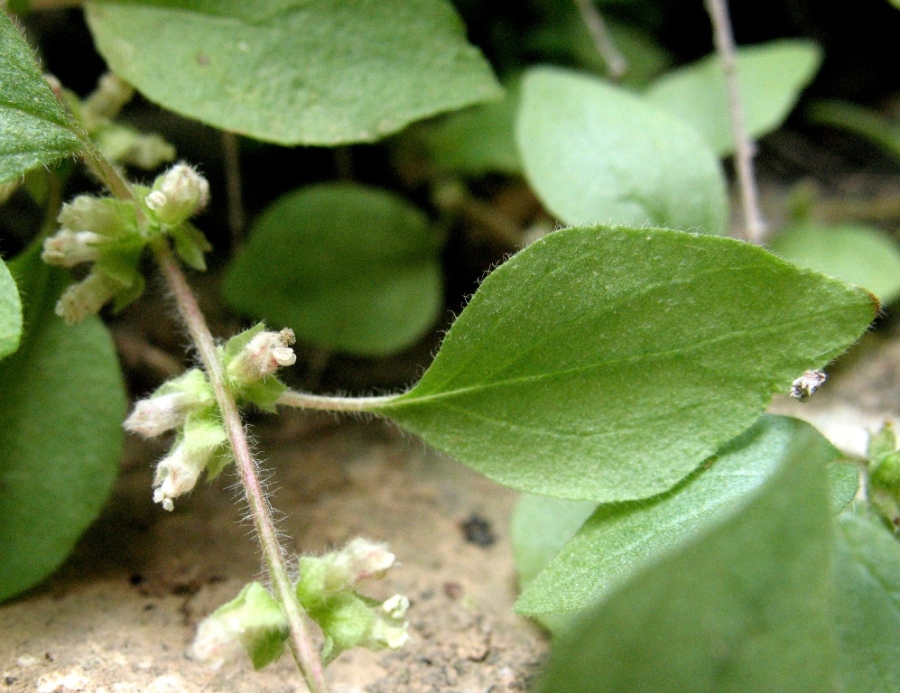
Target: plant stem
301	641
302	646
606	47
744	152
301	400
237	219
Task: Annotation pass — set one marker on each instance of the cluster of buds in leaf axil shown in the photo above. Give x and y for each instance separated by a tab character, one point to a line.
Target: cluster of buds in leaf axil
251	360
106	233
186	405
326	589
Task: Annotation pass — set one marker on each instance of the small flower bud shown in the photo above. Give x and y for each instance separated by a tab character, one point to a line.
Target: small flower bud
86	297
364	560
385	635
69	248
262	356
101	215
178	194
396	607
804	386
154	416
179	472
252	621
126	145
111	94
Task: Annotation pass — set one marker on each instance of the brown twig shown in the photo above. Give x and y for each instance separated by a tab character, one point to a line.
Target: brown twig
745	149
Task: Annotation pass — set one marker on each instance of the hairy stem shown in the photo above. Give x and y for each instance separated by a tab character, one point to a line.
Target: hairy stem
606	47
301	400
302	645
755	227
301	640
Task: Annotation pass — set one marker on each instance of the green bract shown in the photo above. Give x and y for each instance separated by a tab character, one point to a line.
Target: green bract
608	363
345	266
60	431
744	607
597	154
771	77
293	71
37	126
10	313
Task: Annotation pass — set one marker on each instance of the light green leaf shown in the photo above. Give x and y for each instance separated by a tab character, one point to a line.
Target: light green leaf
60	430
34	129
345	266
478	140
861	121
867	605
608	363
854	253
294	71
595	153
771	77
742	608
620	538
10	313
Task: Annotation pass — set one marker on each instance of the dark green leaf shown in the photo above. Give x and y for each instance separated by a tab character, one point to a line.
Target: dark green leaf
771	77
867	605
293	71
34	129
620	538
344	266
60	430
742	608
596	153
608	363
854	253
10	313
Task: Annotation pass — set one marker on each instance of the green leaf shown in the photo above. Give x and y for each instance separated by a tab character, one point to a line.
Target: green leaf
345	266
294	71
595	153
742	608
34	129
860	121
10	313
619	538
478	140
60	430
608	363
771	77
854	253
867	605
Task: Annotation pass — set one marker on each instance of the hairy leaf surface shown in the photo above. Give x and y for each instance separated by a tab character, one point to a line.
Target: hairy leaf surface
292	71
60	430
854	253
608	363
619	538
771	77
10	313
345	266
867	605
742	608
34	129
598	154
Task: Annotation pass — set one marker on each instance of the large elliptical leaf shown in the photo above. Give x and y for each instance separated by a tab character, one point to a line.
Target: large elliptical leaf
771	77
854	253
10	313
619	538
608	363
293	71
34	128
867	605
60	430
597	154
743	608
345	266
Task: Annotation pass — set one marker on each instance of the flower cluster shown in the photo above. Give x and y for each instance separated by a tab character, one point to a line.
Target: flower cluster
105	232
326	589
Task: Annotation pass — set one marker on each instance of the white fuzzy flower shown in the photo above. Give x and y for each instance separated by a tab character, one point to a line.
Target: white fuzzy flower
263	355
178	194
